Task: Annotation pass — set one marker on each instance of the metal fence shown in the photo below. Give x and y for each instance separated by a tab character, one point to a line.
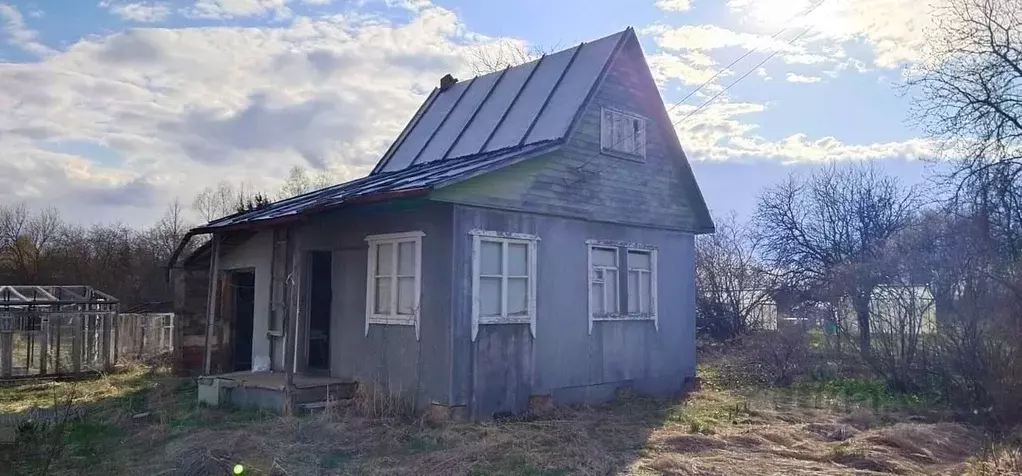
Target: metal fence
144	336
60	343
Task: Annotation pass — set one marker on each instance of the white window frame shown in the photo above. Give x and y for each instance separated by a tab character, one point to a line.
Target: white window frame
505	238
622	280
393	318
617	281
607	143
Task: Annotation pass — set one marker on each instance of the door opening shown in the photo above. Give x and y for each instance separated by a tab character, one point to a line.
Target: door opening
320	297
243	284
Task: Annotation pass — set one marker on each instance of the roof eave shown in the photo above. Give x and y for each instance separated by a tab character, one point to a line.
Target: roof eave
304	214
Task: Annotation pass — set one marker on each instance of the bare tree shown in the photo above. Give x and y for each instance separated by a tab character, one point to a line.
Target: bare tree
826	231
504	53
224	199
299	182
734	286
25	241
215	202
170	229
968	96
12	222
969	82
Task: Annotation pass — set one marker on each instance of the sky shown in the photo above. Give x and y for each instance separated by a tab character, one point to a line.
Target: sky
112	109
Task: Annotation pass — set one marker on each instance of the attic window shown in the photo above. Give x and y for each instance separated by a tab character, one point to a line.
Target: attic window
623	134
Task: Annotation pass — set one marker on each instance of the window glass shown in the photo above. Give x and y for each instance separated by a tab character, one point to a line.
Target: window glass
490	259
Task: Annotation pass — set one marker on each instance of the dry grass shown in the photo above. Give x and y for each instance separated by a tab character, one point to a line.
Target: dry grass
140	423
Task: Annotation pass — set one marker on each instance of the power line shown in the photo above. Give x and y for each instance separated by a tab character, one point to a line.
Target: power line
747	73
746	55
715	96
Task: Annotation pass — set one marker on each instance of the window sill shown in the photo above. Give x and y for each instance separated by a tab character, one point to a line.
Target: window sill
393	320
625	317
505	320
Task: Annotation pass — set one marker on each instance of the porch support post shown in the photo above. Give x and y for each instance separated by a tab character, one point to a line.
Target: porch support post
211	301
294	279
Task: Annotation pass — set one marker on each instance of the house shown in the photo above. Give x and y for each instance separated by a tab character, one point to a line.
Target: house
895	310
527	237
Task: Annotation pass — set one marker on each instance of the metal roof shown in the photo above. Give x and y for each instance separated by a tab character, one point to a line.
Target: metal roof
35	295
527	104
419	178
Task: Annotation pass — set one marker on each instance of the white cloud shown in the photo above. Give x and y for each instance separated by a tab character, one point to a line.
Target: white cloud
718	133
145	12
179	109
17	33
894	30
710	37
798	78
674	5
227	9
690	68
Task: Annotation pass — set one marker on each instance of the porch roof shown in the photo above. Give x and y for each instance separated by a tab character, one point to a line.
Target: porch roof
416	180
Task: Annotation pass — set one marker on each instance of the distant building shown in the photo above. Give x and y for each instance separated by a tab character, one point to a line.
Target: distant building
894	310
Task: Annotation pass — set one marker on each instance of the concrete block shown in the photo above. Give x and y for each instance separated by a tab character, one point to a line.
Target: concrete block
211	392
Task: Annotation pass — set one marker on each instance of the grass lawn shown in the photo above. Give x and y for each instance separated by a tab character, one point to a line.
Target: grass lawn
140	422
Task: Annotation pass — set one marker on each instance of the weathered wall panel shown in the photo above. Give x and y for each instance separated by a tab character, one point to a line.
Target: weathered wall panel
505	364
191	288
579	181
390	356
255	254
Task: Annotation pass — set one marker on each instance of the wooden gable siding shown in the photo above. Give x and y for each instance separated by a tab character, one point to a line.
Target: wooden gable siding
579	181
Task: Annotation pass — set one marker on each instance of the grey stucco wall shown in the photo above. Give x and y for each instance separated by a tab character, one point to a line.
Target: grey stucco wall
255	254
390	357
505	365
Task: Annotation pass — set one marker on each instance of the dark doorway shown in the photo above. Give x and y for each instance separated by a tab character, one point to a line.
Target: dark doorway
320	296
243	284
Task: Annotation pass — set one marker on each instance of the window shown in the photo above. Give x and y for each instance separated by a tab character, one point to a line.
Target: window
603	285
621	295
640	282
164	325
622	133
394	279
503	279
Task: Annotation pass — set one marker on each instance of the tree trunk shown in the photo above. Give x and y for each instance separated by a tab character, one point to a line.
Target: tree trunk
862	314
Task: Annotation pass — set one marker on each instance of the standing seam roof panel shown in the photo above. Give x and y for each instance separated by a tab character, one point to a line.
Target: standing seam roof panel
492	110
519	105
457	119
530	103
573	90
425	128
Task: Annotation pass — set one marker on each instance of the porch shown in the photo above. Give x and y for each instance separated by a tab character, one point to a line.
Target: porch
269	390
